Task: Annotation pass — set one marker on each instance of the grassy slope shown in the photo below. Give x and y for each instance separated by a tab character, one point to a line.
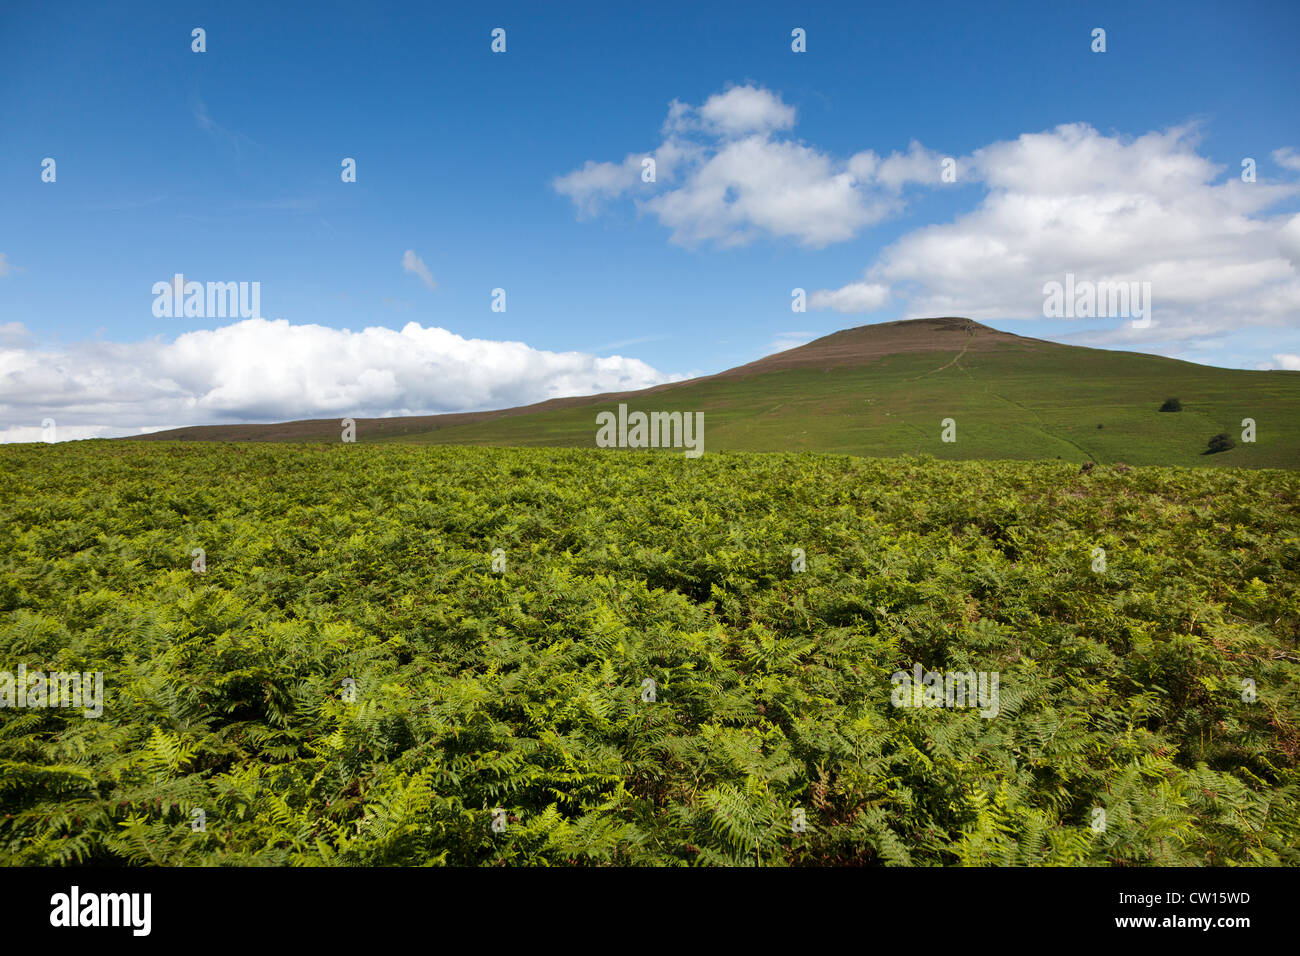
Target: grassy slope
1009	403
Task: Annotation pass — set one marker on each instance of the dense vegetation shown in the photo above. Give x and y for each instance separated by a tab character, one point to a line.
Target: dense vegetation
228	691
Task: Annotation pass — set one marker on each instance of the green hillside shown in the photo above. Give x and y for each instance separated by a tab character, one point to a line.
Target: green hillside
883	391
1006	404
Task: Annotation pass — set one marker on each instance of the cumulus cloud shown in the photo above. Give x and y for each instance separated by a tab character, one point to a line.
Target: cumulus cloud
746	109
753	186
13	333
918	166
1105	208
1289	241
726	175
789	340
263	370
1287	157
415	265
595	185
61	433
1287	361
854	297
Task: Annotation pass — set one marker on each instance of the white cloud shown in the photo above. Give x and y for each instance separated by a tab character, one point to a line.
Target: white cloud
746	109
595	183
1289	241
5	267
754	186
725	176
593	186
35	433
415	265
1286	361
1287	157
854	297
789	340
1106	208
14	333
918	165
262	370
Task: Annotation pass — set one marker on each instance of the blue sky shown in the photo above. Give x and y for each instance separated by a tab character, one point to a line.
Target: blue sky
225	165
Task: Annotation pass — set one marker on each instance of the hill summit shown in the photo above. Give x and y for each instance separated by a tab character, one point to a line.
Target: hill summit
866	343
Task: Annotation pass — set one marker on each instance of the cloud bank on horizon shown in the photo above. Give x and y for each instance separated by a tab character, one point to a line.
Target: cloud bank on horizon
264	370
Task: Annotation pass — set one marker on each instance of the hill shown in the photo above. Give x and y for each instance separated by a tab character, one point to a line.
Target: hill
883	390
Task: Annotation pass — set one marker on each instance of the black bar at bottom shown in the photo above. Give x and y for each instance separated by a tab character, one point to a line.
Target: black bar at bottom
640	908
